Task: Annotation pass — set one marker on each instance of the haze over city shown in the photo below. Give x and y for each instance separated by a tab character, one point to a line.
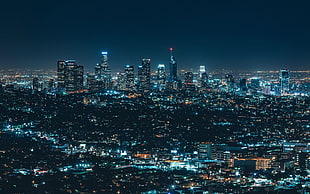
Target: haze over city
251	35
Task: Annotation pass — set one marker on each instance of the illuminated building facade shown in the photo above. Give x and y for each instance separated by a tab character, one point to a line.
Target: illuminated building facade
229	82
129	77
35	84
144	75
161	76
284	79
204	80
121	81
252	163
202	69
173	68
189	81
103	72
70	75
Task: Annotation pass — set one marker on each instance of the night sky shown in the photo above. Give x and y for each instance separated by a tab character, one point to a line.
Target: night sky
231	34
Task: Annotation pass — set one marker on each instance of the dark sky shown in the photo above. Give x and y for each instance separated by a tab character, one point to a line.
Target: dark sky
233	34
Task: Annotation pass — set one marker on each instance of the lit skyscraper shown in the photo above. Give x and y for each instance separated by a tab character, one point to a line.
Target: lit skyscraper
189	77
202	69
161	76
103	72
284	79
173	68
61	74
101	69
230	82
35	84
51	85
129	77
140	77
144	75
189	81
203	77
94	84
204	80
121	81
70	76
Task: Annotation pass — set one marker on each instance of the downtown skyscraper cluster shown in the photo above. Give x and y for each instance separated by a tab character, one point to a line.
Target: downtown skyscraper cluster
70	76
141	79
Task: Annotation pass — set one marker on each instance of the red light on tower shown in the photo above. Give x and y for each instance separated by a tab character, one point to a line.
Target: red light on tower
171	49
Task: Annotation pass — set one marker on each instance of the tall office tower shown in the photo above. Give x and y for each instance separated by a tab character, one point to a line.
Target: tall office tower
61	74
243	86
51	85
79	77
204	80
140	77
229	82
102	68
70	76
189	81
35	84
202	69
103	72
93	84
173	67
188	77
121	81
129	77
284	81
161	76
144	75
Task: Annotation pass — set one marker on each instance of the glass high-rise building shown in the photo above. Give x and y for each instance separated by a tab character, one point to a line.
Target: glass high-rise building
35	84
129	77
189	81
70	75
103	72
161	76
202	69
173	67
121	81
284	79
144	75
161	73
242	83
204	80
188	77
229	82
102	68
61	74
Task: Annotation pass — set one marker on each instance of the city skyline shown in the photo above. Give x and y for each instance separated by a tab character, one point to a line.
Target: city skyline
223	34
174	96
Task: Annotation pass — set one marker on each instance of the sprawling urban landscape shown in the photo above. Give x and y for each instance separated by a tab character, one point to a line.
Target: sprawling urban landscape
154	130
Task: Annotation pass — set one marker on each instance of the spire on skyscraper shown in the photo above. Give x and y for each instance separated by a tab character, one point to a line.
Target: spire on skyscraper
173	67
